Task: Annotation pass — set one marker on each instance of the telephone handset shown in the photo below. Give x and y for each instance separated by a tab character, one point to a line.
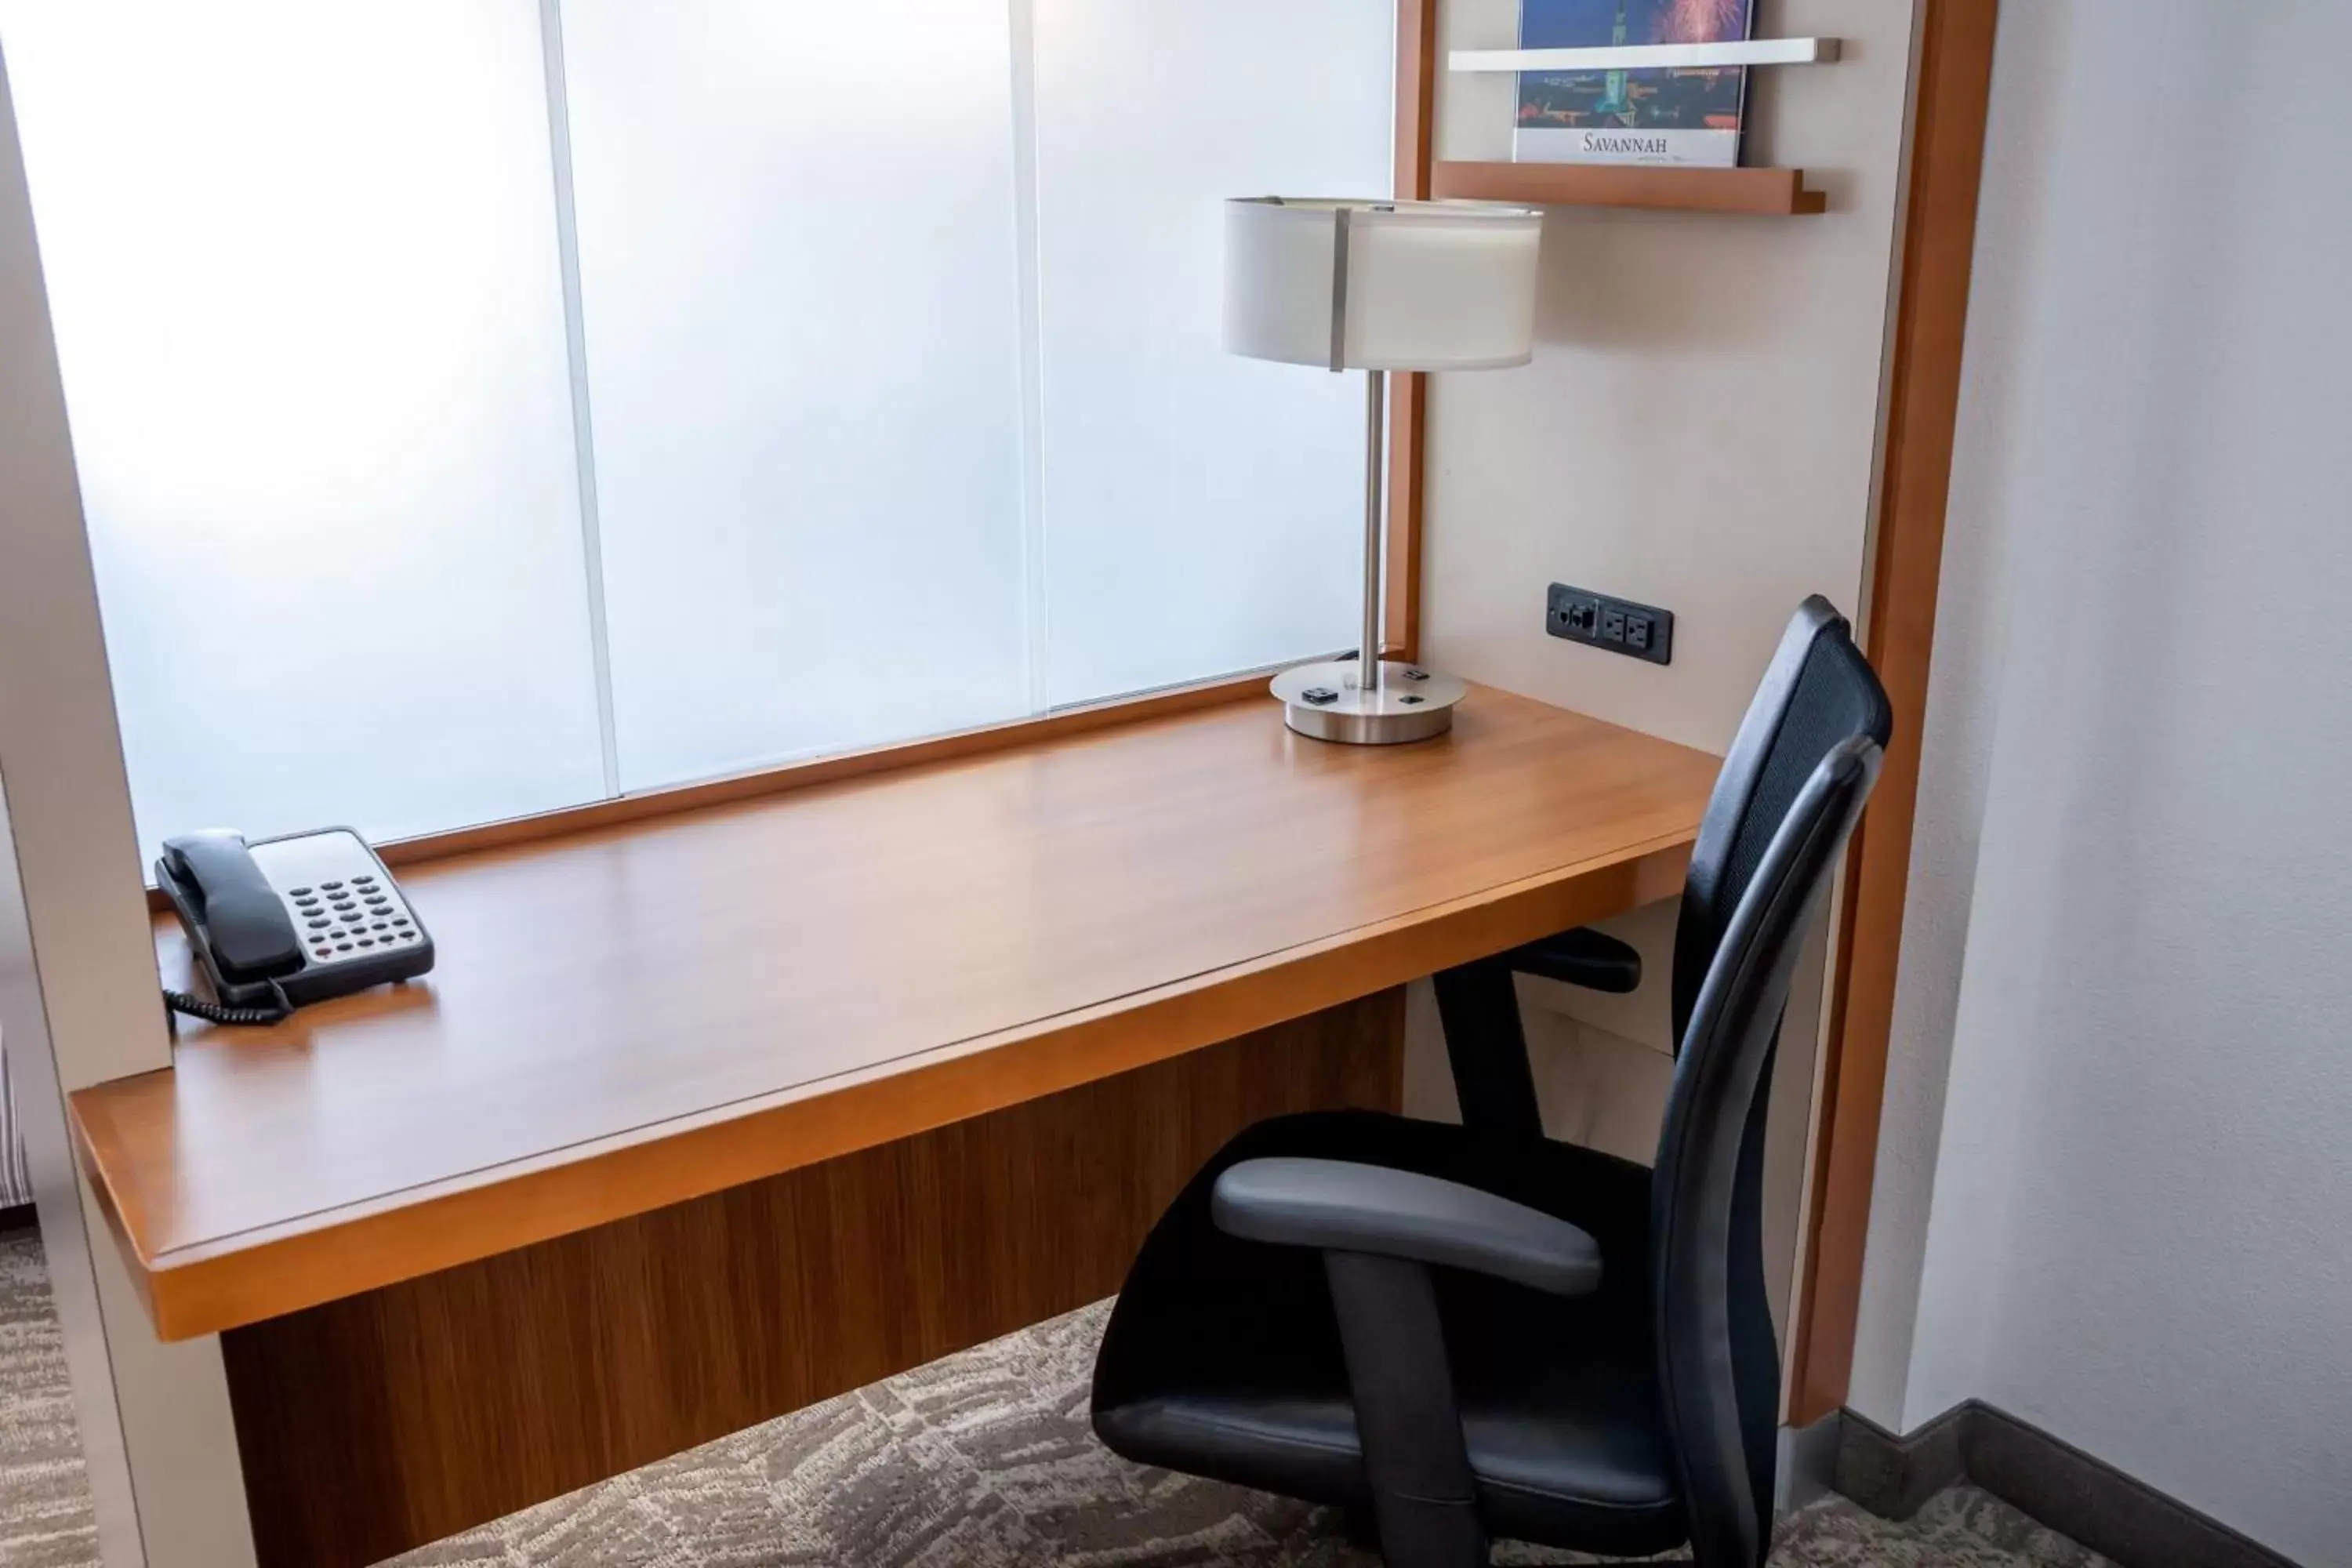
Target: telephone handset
280	923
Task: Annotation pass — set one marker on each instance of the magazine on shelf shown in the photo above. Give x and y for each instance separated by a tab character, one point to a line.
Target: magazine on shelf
1679	115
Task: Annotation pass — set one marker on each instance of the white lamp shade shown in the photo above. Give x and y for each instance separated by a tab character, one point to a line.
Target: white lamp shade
1421	286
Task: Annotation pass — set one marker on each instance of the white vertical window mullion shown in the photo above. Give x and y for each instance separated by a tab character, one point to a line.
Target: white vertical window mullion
1022	15
575	344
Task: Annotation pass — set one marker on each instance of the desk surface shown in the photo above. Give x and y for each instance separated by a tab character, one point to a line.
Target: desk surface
638	1014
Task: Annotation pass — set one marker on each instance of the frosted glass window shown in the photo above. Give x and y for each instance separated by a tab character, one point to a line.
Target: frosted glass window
489	406
1203	513
301	263
800	288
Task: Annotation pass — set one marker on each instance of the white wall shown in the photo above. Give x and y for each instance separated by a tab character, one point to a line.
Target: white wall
2123	1218
1698	431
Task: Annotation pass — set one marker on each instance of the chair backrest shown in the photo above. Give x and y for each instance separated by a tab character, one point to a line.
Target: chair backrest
1789	792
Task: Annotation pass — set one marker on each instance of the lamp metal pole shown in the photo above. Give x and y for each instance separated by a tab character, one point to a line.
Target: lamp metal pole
1368	657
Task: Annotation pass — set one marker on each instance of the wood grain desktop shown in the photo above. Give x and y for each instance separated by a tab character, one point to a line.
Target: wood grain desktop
643	1014
706	1116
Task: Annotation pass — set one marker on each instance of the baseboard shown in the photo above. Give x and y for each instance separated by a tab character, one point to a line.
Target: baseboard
1893	1476
2078	1494
19	1216
1807	1468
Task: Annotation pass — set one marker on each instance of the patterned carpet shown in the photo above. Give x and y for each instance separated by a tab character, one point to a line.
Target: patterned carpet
983	1460
45	1517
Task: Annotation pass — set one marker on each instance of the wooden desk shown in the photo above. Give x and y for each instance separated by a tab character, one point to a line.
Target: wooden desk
645	1043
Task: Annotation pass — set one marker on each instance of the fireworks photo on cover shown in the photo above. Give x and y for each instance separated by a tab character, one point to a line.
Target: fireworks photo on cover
1684	115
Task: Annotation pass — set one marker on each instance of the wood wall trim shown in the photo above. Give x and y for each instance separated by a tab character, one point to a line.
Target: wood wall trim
1947	161
1407	421
1416	141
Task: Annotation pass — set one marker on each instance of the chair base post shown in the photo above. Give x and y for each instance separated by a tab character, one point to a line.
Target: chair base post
1488	1049
1425	1502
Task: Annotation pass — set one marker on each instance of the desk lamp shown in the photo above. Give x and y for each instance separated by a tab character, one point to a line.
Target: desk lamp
1377	287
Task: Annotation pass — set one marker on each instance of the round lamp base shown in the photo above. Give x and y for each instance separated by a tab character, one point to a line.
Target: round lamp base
1329	702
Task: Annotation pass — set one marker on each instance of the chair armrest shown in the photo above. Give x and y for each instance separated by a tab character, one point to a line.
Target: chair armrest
1337	1205
1594	960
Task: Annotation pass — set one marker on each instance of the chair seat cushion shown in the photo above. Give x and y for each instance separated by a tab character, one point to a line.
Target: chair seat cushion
1223	1358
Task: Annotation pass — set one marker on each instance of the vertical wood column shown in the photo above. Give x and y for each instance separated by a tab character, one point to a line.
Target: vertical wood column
1416	121
1952	93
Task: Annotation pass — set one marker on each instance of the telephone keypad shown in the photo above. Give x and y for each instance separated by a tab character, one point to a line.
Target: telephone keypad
343	917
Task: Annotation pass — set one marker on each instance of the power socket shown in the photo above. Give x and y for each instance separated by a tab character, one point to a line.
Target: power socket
1620	625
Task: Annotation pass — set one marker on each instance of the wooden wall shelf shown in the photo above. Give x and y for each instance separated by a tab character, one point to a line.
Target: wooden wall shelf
1770	191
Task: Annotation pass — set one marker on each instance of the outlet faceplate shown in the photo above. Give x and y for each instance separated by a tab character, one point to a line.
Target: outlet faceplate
1620	625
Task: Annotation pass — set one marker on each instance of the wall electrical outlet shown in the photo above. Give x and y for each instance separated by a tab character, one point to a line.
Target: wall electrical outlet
1638	631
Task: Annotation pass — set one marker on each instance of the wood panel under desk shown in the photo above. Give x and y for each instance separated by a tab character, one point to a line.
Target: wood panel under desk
636	1015
386	1420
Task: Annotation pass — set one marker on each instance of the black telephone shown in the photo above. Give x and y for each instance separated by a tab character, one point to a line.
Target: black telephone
280	923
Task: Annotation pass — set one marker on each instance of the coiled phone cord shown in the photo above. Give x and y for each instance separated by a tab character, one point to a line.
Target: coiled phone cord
215	1013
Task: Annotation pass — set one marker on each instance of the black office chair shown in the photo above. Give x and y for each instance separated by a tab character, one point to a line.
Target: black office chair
1463	1333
